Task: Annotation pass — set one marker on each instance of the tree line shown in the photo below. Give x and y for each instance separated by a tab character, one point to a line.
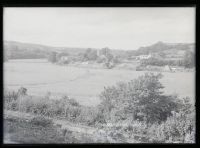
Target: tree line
104	56
188	61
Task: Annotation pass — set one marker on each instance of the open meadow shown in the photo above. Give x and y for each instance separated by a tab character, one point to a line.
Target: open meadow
84	84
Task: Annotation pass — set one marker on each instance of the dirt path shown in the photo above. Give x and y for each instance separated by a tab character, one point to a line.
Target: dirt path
62	124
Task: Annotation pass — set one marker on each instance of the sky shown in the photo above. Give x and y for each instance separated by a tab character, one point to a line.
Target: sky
125	28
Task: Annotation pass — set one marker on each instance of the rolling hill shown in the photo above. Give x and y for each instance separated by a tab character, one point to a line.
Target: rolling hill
17	50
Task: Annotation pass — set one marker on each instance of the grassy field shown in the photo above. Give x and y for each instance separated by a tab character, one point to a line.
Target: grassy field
84	84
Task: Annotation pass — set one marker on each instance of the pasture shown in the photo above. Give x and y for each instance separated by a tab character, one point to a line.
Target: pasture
83	84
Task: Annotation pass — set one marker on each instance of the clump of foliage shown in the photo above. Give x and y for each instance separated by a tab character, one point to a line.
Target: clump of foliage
41	121
52	57
90	55
65	107
10	100
189	59
146	114
140	99
180	127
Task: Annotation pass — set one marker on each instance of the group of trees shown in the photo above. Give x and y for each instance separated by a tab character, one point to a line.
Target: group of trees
90	55
188	61
52	57
110	60
140	99
105	56
143	108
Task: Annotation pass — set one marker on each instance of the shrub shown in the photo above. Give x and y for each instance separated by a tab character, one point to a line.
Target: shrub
180	127
11	100
64	107
90	55
101	59
189	59
140	99
52	57
176	128
22	91
41	121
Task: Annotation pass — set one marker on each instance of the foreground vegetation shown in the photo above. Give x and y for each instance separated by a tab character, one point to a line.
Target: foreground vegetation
39	130
128	112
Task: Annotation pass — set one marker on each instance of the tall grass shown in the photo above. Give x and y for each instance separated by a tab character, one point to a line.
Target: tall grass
65	107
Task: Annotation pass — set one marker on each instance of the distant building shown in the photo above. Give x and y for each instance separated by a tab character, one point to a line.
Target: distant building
141	57
64	58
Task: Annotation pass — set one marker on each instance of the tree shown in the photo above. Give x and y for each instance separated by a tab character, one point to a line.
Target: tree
52	57
107	52
22	91
109	62
90	55
140	99
189	61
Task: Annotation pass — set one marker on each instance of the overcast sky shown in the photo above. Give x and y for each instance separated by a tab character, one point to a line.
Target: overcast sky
119	28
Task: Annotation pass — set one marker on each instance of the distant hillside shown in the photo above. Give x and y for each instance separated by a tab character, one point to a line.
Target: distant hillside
17	50
166	48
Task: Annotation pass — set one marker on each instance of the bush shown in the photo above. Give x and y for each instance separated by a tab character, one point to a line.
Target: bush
140	99
11	100
90	55
41	121
52	57
178	127
64	107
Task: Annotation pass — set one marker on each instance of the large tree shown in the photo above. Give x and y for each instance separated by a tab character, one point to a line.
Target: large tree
52	57
140	99
189	59
90	54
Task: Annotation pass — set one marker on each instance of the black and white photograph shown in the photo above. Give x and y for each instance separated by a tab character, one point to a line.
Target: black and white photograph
81	75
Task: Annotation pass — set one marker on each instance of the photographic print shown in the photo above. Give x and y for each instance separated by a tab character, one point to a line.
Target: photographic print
99	75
